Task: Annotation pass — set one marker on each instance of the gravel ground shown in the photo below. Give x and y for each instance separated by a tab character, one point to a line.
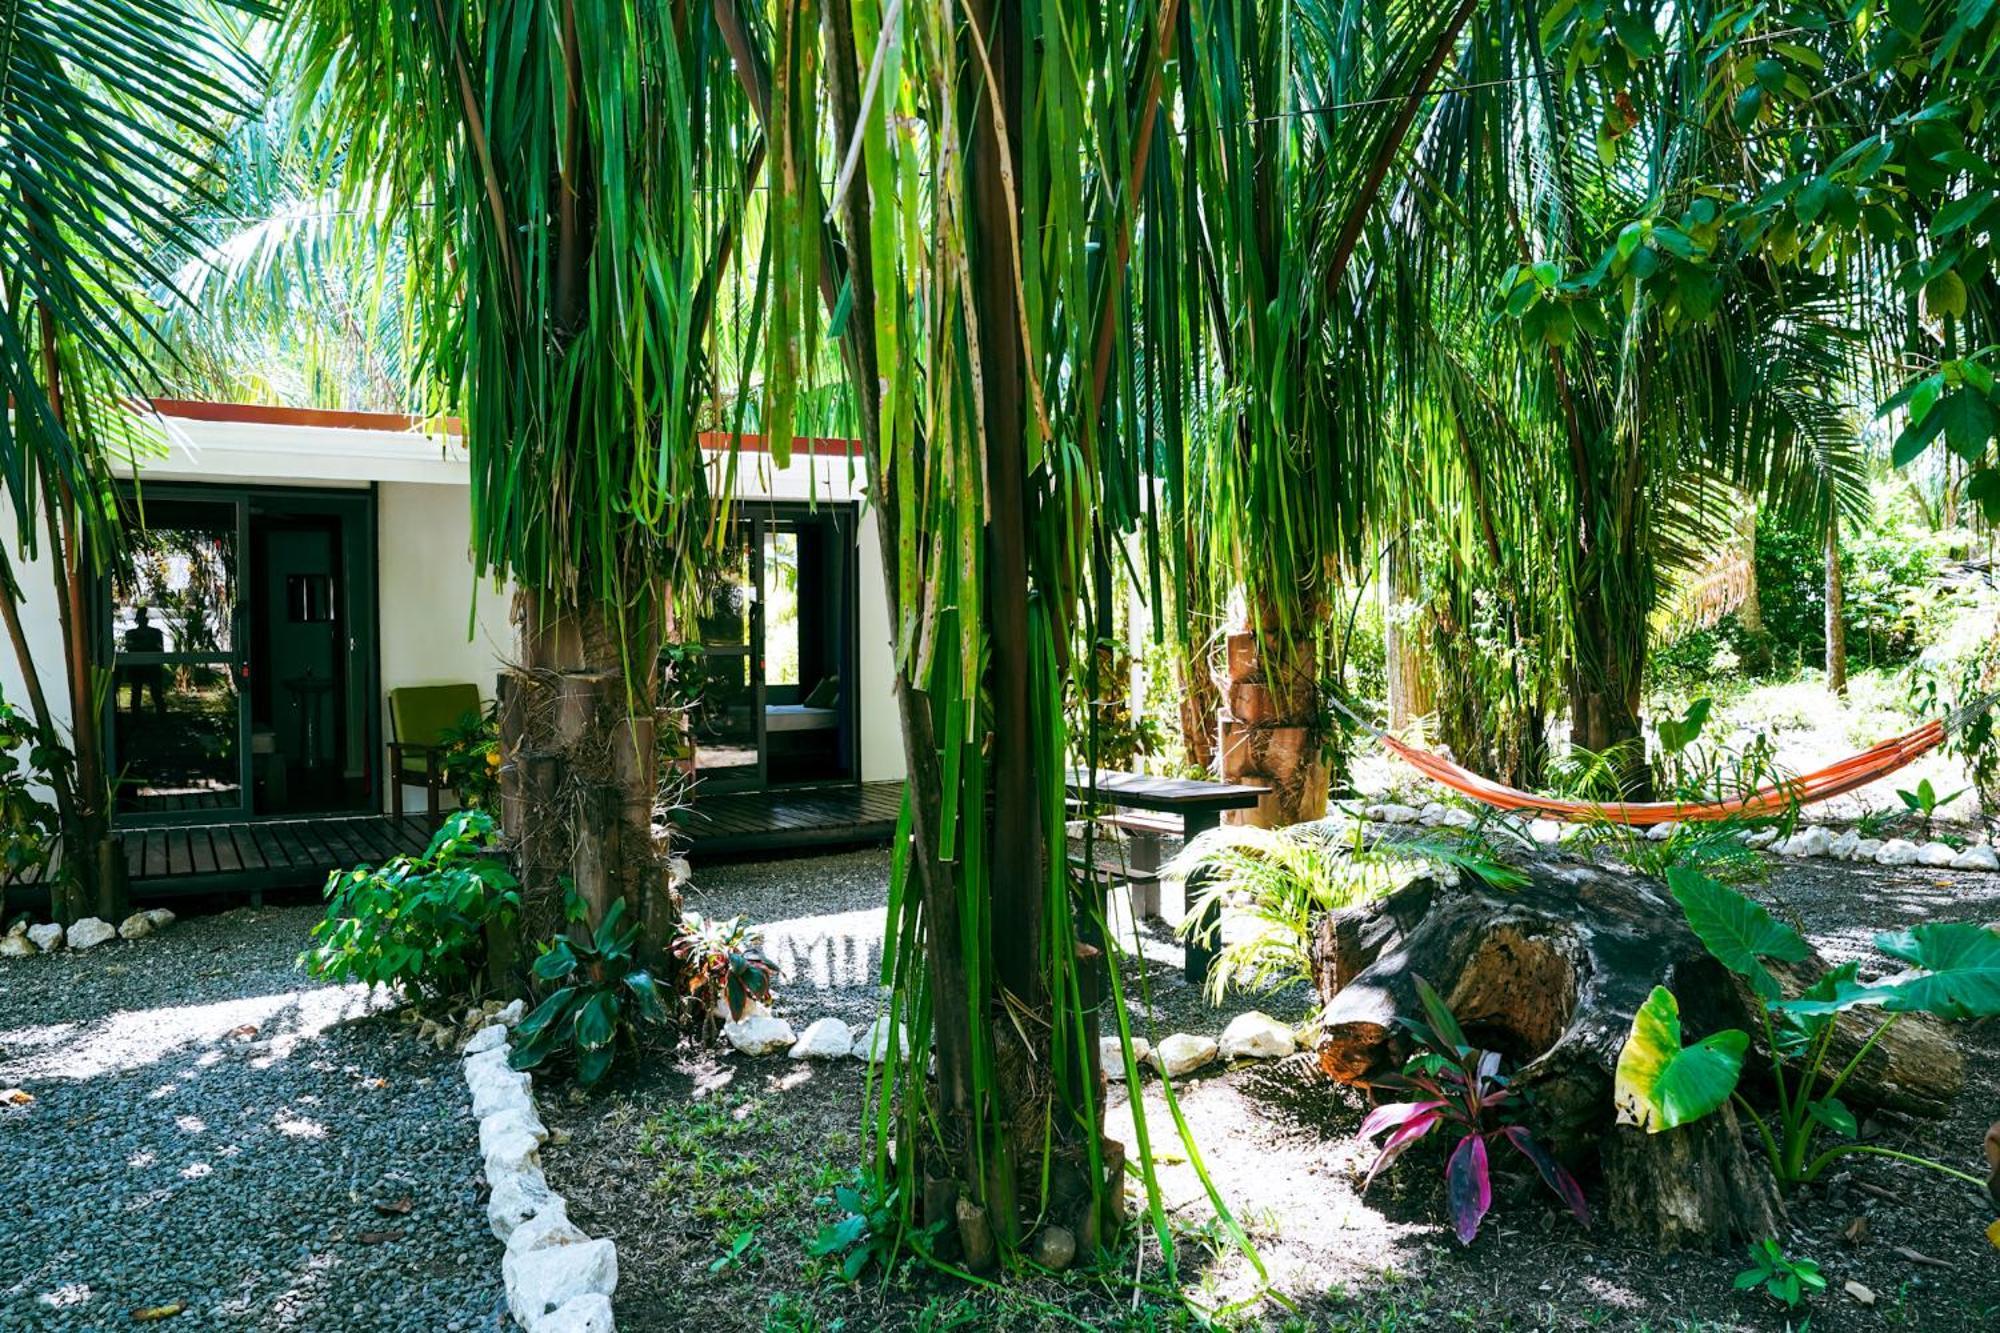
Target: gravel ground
209	1126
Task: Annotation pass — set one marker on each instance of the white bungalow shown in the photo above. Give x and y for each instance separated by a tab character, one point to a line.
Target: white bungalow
297	567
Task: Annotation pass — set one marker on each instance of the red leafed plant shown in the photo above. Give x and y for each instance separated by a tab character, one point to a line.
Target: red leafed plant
1463	1088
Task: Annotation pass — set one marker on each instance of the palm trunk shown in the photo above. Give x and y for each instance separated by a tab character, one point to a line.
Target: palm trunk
1836	625
1604	690
1270	726
581	769
1411	695
92	879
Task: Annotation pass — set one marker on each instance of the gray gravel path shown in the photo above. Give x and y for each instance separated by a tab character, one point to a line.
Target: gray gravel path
209	1125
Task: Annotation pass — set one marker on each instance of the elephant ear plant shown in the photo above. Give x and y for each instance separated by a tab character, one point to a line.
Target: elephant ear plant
1460	1087
1953	972
596	995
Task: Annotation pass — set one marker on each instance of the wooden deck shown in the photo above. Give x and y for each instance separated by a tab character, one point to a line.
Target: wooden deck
251	856
746	823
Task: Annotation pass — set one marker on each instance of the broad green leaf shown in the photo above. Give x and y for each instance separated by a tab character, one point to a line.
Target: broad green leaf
1661	1084
597	1021
545	1013
1740	933
1957	970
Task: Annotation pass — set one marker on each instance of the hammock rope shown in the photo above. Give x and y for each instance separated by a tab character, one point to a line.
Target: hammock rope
1837	779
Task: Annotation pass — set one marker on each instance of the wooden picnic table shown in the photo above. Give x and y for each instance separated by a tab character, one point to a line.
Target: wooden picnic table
1198	804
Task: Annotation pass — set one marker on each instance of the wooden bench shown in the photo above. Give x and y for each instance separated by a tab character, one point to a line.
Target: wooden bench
1149	807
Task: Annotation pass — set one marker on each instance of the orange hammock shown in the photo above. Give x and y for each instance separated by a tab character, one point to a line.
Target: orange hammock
1854	771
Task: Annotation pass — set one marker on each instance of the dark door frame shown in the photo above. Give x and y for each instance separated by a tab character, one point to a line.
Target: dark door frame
365	657
756	514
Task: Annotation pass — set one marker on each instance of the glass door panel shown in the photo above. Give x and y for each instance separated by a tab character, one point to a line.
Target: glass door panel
175	637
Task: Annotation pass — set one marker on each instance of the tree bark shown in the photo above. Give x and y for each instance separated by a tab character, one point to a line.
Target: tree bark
1836	623
1409	685
1270	730
1550	975
580	770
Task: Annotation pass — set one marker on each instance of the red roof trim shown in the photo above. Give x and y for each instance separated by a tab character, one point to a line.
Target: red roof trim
264	414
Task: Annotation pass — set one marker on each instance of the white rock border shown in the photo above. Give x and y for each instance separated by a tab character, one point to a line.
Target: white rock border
558	1280
1814	841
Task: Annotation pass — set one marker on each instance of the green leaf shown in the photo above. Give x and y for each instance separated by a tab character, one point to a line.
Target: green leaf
1957	970
558	961
597	1020
1739	933
1833	1113
545	1013
1969	422
1661	1084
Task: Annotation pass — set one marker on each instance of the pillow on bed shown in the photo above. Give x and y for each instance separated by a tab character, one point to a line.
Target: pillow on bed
825	694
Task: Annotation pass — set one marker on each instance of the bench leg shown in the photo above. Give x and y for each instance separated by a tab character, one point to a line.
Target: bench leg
1145	855
1202	945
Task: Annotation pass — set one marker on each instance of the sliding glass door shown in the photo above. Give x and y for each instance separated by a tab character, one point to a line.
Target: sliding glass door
178	715
778	643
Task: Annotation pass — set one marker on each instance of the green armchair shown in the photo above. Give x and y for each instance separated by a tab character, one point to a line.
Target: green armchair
421	717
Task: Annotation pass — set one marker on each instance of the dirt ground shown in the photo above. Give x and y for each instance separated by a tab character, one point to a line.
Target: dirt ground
711	1170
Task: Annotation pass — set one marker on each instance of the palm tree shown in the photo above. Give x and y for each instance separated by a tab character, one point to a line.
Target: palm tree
567	180
973	260
107	110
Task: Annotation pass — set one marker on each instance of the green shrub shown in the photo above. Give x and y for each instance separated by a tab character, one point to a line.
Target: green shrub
1278	882
594	997
418	923
471	759
27	823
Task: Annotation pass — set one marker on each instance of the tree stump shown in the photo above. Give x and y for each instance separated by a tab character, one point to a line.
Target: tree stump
1550	974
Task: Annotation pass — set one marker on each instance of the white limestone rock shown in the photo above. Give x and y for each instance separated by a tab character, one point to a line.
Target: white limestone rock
1548	832
1807	842
91	932
1761	838
1458	817
589	1313
1865	849
511	1121
545	1230
1432	814
824	1039
17	946
497	1088
48	936
1111	1055
135	927
760	1034
1257	1036
509	1148
1392	813
516	1196
1661	832
161	917
1897	852
873	1044
511	1013
1976	857
1937	854
20	926
540	1282
1842	847
491	1037
1183	1053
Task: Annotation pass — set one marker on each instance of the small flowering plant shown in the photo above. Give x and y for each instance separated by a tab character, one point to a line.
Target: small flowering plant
723	963
1461	1088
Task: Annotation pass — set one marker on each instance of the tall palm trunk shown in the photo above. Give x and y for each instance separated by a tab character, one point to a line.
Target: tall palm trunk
1836	623
582	770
